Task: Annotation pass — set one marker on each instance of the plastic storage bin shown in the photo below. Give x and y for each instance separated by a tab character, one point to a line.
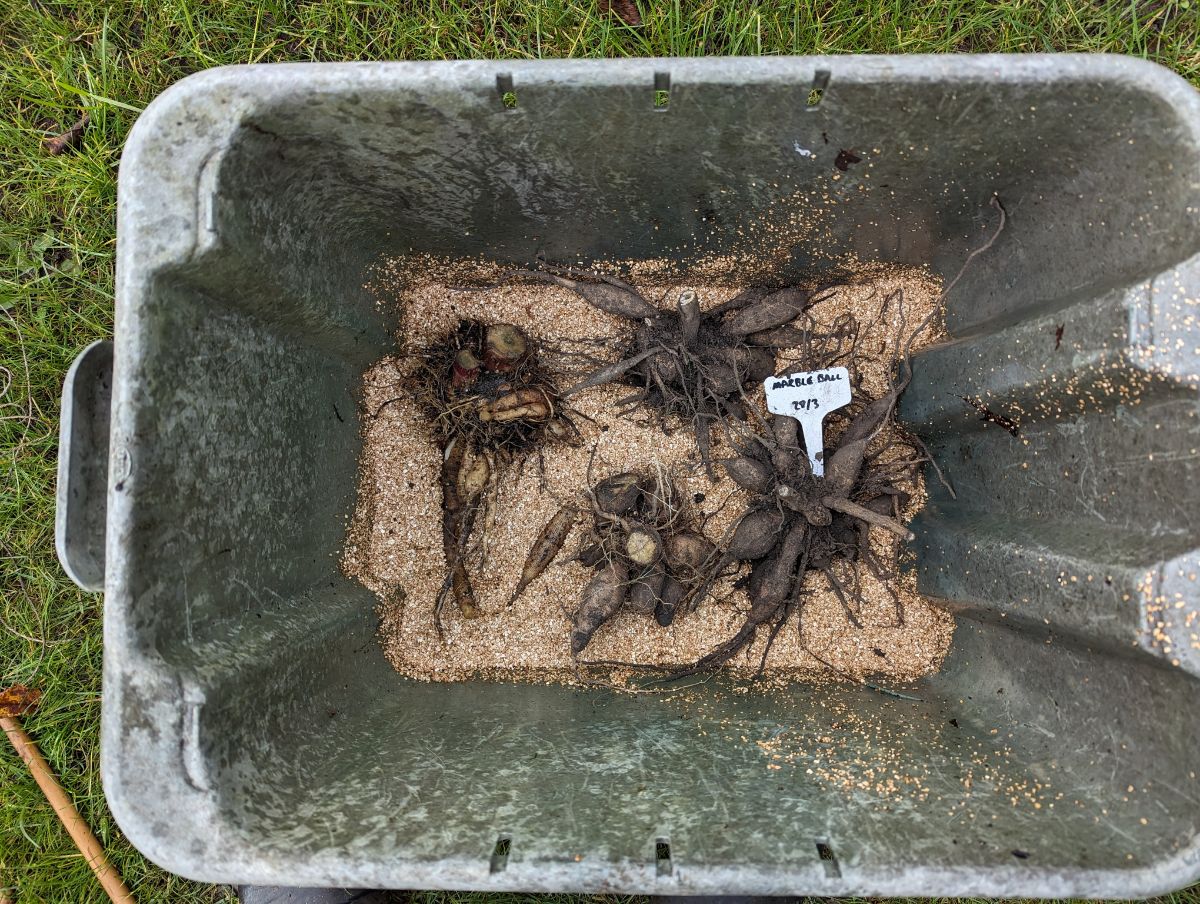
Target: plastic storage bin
253	731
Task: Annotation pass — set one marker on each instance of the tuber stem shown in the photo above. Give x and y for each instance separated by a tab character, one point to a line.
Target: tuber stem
846	507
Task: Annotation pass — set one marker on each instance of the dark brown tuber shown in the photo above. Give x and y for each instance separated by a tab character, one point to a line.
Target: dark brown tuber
644	592
604	293
670	598
750	474
755	535
546	547
619	494
458	516
688	554
602	599
775	310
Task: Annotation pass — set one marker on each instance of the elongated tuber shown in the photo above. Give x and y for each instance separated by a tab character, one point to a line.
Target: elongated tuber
546	547
750	474
670	596
474	473
755	535
776	309
528	405
604	296
602	599
457	517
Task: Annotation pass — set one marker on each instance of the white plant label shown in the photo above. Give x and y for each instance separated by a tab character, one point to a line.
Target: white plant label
808	396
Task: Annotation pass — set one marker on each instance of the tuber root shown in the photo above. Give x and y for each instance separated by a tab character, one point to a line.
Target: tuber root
755	535
644	592
529	405
546	547
750	474
776	309
670	597
602	599
688	554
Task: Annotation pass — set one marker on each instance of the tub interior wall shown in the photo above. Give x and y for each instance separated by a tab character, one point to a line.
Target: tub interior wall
1046	711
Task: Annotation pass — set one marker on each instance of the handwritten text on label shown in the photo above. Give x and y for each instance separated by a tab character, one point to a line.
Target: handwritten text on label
808	396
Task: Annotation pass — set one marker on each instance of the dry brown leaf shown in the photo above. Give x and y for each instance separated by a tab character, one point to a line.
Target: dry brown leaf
68	140
18	700
625	10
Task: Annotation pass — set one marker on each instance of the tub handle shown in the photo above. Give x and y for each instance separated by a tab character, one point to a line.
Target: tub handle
81	498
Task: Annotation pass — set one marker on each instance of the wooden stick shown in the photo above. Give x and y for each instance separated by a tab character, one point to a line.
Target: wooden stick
839	504
66	812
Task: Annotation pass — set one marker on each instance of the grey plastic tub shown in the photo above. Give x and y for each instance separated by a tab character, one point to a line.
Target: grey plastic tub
252	731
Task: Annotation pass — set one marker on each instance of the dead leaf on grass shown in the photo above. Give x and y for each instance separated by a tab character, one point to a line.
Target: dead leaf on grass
625	10
68	140
18	700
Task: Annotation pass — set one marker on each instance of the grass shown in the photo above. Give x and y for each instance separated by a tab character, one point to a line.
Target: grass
57	241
